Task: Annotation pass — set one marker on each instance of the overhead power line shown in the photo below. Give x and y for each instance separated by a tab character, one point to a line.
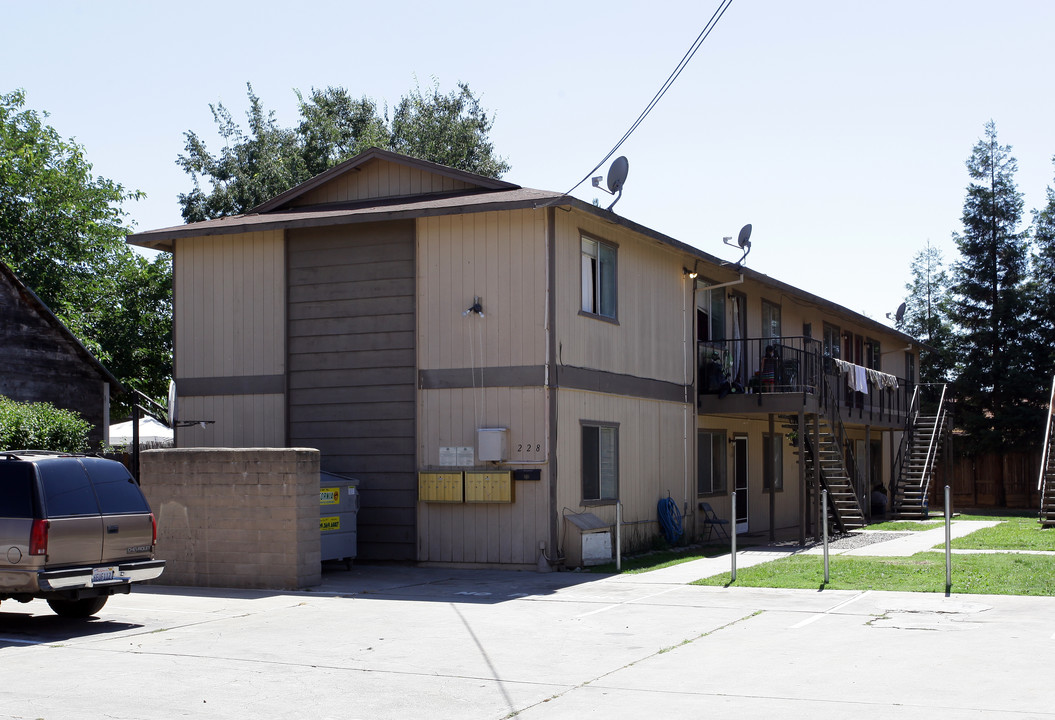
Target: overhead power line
723	6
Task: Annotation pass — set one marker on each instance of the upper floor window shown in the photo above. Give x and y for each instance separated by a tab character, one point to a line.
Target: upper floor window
873	355
710	312
598	278
832	341
770	320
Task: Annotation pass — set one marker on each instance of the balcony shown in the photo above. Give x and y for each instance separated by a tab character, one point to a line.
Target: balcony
738	377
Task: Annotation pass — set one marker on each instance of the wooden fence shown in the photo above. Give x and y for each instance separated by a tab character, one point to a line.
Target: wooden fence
975	481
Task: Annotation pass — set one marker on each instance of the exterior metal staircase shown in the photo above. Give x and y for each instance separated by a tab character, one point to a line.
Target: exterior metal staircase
1046	483
827	465
917	456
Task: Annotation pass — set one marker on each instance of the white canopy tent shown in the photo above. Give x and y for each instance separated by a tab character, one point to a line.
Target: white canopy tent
151	432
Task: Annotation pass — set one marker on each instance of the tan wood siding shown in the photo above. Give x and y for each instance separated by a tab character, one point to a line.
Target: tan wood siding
238	421
486	533
229	309
648	338
655	459
379	179
499	257
352	369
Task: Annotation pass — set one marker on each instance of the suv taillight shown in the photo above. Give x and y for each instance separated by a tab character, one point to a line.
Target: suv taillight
38	537
154	529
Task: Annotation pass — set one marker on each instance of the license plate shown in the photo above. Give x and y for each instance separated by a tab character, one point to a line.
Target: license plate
103	574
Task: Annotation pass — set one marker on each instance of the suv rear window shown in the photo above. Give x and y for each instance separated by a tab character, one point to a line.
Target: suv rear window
67	490
117	491
16	490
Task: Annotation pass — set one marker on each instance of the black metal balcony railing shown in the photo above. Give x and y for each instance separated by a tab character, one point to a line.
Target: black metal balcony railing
798	365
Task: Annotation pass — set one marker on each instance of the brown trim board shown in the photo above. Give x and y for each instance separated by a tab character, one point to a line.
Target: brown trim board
239	385
570	378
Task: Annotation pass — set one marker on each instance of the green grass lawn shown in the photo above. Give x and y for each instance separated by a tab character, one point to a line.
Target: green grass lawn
658	559
998	574
1014	533
905	525
1004	574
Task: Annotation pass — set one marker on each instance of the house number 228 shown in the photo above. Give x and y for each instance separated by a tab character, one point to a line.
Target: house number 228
528	447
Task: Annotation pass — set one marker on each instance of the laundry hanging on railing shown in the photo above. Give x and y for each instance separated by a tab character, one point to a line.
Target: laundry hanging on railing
859	377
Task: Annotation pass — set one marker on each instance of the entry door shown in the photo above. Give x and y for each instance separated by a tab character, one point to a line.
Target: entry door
740	481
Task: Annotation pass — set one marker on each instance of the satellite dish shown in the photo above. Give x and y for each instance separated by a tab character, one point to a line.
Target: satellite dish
173	416
617	174
744	240
900	314
616	178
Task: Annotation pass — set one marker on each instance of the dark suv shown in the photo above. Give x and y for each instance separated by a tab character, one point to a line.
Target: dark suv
74	529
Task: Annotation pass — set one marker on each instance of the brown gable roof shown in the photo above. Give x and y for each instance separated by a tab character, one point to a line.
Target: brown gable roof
352	164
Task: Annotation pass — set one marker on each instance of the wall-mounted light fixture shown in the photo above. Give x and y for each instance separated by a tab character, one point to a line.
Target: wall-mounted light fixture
691	273
476	307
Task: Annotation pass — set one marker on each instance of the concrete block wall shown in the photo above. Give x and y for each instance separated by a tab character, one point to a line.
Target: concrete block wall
236	517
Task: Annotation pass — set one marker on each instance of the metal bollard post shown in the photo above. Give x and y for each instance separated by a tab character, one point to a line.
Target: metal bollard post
948	540
618	537
732	540
824	524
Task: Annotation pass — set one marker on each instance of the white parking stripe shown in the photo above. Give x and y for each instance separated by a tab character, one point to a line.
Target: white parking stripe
818	616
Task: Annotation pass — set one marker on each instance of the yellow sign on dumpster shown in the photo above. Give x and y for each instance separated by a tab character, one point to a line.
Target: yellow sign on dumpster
330	523
330	496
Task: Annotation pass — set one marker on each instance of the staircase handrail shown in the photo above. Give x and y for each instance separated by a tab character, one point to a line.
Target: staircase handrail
939	422
906	440
1047	439
839	431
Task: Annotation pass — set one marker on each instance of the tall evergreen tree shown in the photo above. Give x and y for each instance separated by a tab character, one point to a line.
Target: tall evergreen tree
1042	289
927	314
995	383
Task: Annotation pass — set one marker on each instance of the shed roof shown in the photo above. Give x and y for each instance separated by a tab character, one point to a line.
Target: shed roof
30	298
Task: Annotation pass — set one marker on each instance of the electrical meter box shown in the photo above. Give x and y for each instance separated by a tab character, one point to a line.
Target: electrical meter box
492	444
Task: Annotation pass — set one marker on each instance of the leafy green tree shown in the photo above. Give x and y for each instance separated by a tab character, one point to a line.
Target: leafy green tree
62	232
450	129
995	385
927	314
41	426
266	159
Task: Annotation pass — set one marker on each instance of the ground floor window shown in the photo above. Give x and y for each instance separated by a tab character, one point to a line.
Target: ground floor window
772	461
600	462
710	462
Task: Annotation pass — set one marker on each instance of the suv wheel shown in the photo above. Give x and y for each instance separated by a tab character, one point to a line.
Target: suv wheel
77	608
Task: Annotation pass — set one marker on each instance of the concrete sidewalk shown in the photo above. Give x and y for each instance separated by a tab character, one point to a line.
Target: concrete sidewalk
391	641
898	544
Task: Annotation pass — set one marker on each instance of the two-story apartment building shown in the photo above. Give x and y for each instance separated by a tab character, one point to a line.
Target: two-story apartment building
495	364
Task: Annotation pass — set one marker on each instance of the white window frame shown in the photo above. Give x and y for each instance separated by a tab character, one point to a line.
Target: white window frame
599	263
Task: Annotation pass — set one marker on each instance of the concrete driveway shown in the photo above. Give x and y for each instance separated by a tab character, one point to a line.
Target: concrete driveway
402	642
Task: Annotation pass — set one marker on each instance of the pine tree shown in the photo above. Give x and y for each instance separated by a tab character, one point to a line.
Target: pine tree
995	384
1042	289
927	314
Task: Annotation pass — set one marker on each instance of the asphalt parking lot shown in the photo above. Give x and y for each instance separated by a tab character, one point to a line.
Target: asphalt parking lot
398	642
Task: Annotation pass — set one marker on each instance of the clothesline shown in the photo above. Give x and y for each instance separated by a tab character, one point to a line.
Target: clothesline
858	377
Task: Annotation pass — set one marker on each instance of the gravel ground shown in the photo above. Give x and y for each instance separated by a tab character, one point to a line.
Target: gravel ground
853	540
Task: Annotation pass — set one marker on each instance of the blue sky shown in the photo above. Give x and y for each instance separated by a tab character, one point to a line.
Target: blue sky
838	128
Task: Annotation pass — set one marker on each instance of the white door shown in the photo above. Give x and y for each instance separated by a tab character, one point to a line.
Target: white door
740	481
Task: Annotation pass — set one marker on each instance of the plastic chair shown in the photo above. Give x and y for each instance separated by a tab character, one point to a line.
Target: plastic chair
712	523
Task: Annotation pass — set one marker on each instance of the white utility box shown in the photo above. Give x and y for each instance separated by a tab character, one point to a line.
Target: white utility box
492	444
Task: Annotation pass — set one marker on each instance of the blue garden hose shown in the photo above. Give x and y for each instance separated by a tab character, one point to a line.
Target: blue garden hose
670	520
